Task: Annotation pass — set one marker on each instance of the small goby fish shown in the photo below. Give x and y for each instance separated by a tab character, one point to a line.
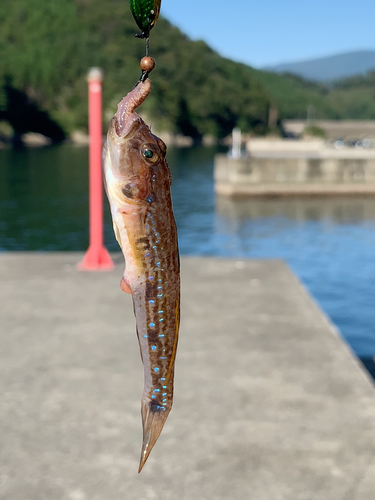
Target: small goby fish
138	181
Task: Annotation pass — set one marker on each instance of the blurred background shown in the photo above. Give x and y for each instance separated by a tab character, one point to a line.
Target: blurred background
292	71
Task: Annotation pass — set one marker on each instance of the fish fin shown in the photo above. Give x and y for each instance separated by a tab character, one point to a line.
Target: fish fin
125	286
154	416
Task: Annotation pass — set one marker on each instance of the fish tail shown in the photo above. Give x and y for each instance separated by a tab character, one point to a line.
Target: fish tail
153	419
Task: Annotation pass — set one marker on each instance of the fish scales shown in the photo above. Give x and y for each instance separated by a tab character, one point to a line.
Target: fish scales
138	179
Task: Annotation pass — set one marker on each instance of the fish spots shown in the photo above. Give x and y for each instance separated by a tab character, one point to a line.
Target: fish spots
153	347
151	301
150	278
156	369
156	407
152	325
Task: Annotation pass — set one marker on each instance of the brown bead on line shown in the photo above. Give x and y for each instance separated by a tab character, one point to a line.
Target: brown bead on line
147	64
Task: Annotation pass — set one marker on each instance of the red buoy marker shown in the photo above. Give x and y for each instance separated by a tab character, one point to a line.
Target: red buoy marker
97	257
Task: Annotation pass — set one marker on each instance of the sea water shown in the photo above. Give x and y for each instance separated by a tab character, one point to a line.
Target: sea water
328	242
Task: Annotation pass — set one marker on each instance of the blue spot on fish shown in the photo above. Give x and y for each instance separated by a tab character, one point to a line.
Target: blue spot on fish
153	396
161	335
147	254
160	295
145	336
156	370
162	378
154	247
150	277
153	347
152	325
151	302
158	264
163	357
150	199
160	320
156	390
164	394
160	312
164	386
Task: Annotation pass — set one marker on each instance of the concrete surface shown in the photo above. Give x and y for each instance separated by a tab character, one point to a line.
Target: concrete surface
269	402
335	129
272	173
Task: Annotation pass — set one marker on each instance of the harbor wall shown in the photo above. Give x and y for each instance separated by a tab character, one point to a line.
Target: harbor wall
329	172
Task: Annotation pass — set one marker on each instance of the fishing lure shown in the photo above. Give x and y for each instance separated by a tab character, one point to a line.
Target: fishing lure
145	13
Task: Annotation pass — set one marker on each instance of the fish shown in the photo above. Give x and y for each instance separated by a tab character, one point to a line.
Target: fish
138	185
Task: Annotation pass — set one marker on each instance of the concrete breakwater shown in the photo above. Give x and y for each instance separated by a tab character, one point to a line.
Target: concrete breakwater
300	170
270	404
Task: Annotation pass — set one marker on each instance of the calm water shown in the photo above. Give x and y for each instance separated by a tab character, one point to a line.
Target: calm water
329	243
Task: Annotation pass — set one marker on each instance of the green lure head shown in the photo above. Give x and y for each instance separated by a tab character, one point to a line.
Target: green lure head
145	13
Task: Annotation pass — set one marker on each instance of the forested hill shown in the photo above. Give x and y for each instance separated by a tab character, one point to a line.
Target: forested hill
47	46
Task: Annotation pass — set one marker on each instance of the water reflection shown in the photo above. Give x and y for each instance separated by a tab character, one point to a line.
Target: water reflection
341	210
43	199
328	242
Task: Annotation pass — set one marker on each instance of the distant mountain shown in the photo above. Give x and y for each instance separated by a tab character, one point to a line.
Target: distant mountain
330	68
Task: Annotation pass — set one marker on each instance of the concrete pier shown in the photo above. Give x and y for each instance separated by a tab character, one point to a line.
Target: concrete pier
275	168
270	404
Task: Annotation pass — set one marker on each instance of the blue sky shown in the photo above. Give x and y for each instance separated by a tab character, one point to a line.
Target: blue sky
265	32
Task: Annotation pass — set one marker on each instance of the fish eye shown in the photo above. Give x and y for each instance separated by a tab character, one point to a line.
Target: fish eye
149	154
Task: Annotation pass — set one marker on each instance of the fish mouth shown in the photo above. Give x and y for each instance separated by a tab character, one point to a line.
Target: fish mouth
126	116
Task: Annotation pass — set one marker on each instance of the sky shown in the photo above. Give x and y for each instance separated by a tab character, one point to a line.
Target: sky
267	32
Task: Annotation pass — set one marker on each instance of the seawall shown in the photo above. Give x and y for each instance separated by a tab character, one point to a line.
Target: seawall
296	173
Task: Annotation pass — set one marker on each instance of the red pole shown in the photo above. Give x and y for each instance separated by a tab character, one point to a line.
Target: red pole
97	256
